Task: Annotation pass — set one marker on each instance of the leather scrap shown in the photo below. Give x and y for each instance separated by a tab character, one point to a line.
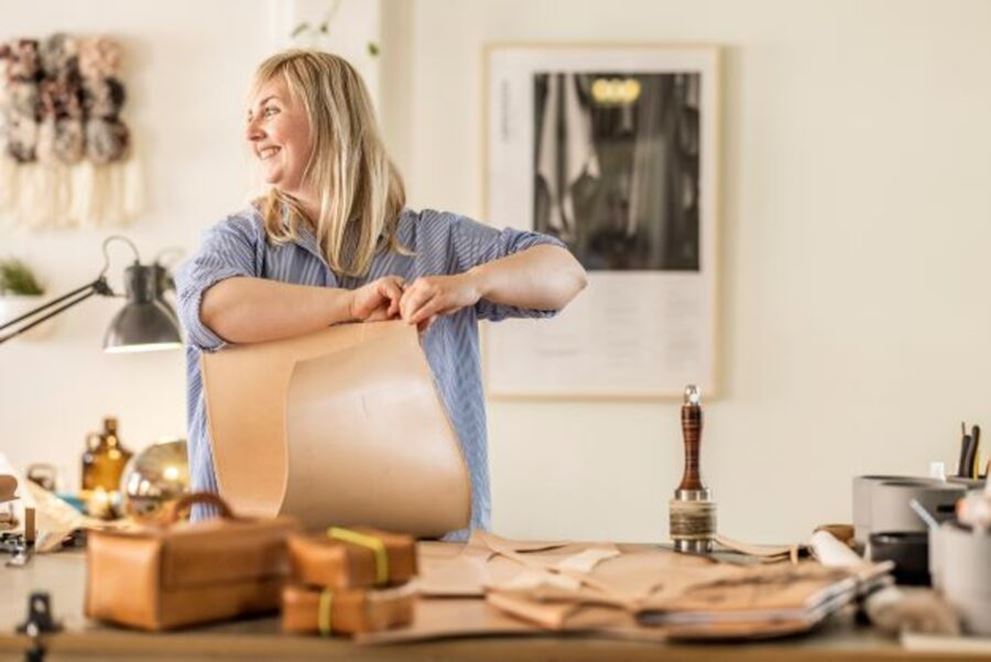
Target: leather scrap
636	592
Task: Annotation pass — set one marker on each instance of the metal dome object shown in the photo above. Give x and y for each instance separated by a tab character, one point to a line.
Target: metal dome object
155	476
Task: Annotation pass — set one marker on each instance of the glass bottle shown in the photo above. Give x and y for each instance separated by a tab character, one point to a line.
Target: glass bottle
104	459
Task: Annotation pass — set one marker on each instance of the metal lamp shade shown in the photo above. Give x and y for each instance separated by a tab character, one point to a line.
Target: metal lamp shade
142	327
144	324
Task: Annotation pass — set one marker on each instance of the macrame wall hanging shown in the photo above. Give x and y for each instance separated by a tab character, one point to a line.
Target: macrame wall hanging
66	158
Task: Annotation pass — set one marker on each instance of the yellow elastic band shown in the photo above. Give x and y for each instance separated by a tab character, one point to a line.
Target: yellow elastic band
370	542
323	615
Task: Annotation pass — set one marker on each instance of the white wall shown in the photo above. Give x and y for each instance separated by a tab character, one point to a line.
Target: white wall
187	66
856	161
856	330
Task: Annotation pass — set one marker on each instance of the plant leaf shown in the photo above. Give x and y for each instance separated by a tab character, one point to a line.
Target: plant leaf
17	278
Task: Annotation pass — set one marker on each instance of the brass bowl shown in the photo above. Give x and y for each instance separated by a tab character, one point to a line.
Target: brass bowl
155	476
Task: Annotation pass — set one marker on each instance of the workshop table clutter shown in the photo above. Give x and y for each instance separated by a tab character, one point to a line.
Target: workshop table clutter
373	584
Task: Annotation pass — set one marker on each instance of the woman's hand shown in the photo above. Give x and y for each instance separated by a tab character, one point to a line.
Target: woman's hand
430	296
377	301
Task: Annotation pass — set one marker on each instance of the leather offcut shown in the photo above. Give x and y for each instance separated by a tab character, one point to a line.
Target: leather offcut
343	426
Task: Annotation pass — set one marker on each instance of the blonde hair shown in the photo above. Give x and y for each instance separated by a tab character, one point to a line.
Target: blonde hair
361	191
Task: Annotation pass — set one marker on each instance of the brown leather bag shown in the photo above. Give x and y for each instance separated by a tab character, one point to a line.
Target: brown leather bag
180	574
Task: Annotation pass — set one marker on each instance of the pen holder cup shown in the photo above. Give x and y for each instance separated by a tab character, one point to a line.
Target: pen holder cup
958	563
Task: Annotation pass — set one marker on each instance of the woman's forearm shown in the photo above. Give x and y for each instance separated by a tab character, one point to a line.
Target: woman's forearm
542	277
246	310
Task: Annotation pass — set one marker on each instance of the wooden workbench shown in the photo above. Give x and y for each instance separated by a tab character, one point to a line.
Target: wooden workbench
62	576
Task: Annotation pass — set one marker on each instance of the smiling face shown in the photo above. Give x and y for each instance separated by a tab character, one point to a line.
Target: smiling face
278	134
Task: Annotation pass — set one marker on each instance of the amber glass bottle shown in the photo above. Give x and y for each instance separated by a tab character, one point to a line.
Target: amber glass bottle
104	459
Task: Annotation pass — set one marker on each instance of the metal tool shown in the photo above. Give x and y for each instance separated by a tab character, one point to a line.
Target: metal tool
20	545
923	514
39	622
22	554
692	513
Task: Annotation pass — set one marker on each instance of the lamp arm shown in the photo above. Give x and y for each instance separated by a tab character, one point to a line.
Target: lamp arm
99	286
106	255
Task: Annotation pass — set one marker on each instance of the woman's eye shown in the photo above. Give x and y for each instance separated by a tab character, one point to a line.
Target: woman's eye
268	112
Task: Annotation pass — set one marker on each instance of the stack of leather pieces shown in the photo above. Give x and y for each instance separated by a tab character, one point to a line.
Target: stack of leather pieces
494	586
349	581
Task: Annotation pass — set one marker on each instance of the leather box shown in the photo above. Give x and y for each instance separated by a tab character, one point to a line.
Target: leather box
180	574
350	611
358	557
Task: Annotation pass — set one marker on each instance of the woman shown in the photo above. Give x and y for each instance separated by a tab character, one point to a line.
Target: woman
332	242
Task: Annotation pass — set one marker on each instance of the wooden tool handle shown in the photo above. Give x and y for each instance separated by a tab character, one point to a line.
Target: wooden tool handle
691	429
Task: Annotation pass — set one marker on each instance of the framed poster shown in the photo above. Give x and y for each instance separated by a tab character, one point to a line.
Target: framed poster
613	150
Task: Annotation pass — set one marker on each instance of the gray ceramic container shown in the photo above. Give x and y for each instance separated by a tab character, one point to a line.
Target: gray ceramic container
864	488
862	503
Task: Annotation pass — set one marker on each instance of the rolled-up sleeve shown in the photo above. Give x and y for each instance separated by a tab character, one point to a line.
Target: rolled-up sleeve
473	243
228	249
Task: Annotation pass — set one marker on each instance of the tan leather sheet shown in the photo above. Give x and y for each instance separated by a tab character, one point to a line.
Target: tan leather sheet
343	426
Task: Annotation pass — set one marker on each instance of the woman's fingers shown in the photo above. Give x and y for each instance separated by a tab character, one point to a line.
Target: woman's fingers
429	297
430	308
378	300
378	315
392	289
413	299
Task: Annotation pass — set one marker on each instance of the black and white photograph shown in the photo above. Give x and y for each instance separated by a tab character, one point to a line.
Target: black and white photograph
616	164
614	151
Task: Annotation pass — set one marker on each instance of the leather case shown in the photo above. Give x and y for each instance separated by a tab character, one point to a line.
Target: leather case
359	557
342	426
353	611
180	574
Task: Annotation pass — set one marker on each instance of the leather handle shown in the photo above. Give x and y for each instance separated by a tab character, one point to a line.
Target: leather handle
186	501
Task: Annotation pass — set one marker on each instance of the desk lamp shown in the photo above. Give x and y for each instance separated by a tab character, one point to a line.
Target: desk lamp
145	323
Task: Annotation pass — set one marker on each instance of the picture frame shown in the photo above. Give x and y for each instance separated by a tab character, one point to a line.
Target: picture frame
614	150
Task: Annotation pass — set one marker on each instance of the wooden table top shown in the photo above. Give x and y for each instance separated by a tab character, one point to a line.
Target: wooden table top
62	575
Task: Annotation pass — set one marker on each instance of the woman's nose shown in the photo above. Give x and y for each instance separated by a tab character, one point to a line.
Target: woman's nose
253	131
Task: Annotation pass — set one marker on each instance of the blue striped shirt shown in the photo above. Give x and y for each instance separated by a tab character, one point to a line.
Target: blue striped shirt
441	243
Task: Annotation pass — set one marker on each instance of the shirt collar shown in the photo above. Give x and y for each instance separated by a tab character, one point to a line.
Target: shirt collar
306	239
